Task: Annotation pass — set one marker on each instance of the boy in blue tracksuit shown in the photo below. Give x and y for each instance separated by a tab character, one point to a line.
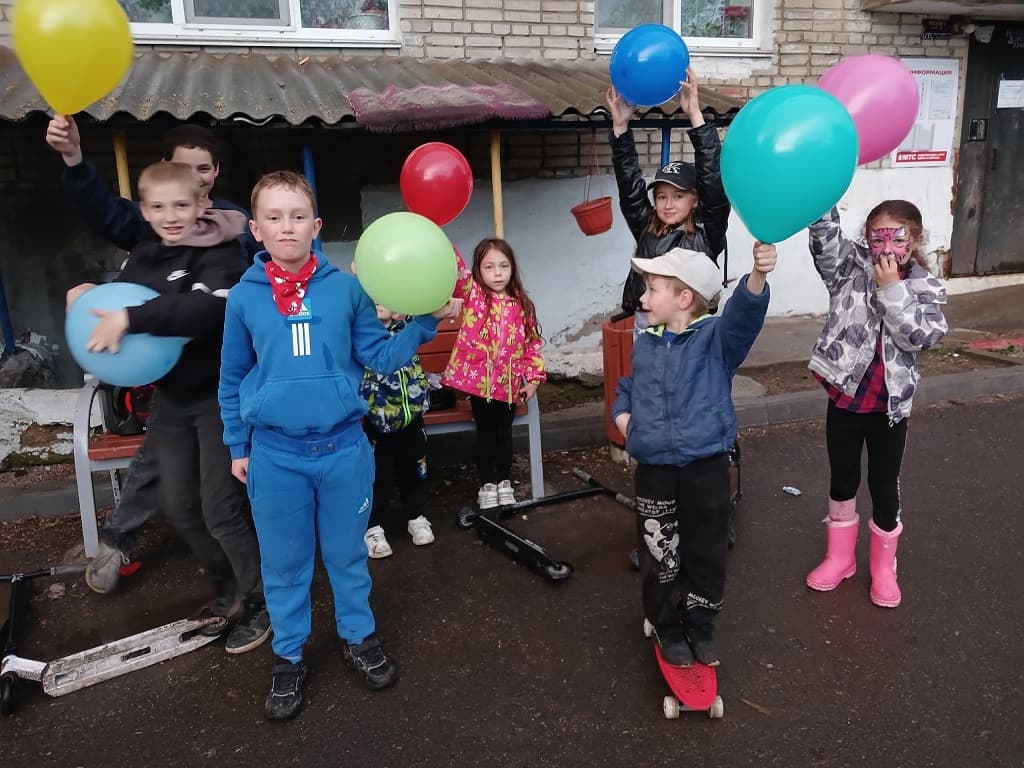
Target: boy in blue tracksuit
676	414
298	334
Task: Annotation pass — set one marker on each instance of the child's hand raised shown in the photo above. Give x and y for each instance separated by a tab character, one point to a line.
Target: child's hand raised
451	310
887	271
689	99
62	135
765	257
622	112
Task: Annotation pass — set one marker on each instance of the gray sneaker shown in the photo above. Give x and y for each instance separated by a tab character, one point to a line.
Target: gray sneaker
251	629
104	570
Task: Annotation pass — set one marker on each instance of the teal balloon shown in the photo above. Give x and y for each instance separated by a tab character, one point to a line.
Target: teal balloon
406	263
788	157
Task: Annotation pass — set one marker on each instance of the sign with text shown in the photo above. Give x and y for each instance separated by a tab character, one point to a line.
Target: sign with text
930	141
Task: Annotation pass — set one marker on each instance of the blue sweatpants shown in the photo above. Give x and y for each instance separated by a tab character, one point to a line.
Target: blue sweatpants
299	490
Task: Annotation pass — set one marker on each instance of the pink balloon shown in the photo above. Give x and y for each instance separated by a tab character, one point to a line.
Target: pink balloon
881	96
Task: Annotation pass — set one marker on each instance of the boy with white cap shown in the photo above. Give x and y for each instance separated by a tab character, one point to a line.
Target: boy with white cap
675	411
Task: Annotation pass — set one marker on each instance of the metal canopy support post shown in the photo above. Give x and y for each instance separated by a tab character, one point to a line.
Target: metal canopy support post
310	173
499	212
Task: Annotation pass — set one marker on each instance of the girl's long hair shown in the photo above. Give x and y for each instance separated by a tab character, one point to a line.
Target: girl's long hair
910	216
515	284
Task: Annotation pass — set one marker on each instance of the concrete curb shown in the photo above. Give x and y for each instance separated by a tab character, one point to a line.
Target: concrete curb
581	427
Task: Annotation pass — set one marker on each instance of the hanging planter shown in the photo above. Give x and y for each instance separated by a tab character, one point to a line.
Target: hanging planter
593	216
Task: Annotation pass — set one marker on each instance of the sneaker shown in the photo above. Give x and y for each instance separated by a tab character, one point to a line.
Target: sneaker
285	698
703	645
674	648
377	543
251	629
419	529
487	496
506	495
104	571
368	660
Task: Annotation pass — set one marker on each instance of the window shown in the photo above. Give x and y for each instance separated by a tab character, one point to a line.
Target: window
706	25
265	22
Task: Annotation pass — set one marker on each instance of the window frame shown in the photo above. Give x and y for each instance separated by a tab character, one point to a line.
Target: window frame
760	44
179	31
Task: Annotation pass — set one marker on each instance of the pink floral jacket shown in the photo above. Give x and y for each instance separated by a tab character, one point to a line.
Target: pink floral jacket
492	357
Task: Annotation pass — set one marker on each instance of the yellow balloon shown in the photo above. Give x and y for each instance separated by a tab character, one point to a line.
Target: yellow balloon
74	51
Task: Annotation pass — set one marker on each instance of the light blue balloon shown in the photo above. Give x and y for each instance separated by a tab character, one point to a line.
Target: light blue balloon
788	157
141	359
648	64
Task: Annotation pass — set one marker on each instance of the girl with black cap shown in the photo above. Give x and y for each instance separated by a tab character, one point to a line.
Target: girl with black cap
689	209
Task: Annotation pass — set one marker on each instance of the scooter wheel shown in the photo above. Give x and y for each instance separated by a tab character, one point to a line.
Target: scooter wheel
6	694
464	519
559	572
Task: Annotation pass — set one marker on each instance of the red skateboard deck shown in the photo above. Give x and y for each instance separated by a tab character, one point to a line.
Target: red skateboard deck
694	688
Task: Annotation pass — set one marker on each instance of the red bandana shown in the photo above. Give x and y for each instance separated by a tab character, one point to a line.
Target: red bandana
289	288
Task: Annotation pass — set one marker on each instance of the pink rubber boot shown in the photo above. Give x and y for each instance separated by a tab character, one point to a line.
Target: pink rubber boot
840	559
885	591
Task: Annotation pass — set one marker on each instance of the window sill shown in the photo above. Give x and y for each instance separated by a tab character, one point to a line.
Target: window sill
734	51
384	39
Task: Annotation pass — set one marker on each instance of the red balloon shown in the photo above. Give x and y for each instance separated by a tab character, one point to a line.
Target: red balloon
436	182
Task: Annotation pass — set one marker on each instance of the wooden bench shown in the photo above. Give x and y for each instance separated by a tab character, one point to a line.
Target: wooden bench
109	452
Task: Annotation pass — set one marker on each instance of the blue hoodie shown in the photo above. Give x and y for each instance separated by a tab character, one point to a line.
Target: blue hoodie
300	375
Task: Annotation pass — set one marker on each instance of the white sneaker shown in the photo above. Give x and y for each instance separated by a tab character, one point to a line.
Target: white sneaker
377	543
419	529
487	496
505	493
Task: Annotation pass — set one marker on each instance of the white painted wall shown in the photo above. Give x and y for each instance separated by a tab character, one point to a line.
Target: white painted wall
576	281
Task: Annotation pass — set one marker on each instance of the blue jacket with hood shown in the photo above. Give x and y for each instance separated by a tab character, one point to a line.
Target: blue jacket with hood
300	375
679	395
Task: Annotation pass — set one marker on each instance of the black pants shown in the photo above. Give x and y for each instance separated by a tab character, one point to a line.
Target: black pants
683	540
493	438
200	497
399	457
845	435
140	500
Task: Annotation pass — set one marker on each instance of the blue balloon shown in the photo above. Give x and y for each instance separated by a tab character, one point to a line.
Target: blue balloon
788	157
142	357
648	64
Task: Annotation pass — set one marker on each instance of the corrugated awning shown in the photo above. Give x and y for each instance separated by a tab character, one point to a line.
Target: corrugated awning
376	92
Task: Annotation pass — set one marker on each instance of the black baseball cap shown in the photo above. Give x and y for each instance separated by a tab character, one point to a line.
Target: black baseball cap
677	173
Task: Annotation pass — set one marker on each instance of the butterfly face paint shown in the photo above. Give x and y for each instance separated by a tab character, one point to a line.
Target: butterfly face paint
890	241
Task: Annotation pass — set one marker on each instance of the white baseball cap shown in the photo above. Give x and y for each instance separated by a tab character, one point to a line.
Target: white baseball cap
693	268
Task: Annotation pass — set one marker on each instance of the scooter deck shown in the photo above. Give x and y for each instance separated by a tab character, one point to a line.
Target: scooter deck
110	660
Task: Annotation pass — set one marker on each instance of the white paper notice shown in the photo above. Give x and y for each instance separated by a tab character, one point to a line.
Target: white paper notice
930	141
1011	94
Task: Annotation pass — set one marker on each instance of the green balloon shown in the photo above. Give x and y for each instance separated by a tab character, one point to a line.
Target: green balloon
406	263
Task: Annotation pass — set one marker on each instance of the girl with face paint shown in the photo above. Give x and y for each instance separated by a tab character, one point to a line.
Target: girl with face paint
885	307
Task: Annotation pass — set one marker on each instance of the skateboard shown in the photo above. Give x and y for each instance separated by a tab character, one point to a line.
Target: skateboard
694	688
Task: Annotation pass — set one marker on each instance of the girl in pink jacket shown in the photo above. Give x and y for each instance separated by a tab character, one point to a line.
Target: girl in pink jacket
496	360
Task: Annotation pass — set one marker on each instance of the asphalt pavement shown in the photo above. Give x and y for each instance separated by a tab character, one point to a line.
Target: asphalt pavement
499	668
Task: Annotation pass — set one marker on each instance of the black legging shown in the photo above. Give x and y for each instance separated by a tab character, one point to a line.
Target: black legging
493	438
845	435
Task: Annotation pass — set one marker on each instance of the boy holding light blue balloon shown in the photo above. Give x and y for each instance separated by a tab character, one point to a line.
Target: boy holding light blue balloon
192	265
298	336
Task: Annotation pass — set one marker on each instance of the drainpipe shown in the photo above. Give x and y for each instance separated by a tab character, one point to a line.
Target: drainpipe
499	213
5	322
310	173
666	145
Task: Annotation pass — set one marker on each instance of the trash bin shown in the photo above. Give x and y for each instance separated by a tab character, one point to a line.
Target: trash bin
617	346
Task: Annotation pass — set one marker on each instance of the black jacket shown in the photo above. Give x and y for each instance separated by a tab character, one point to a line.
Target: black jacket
712	215
119	220
193	284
